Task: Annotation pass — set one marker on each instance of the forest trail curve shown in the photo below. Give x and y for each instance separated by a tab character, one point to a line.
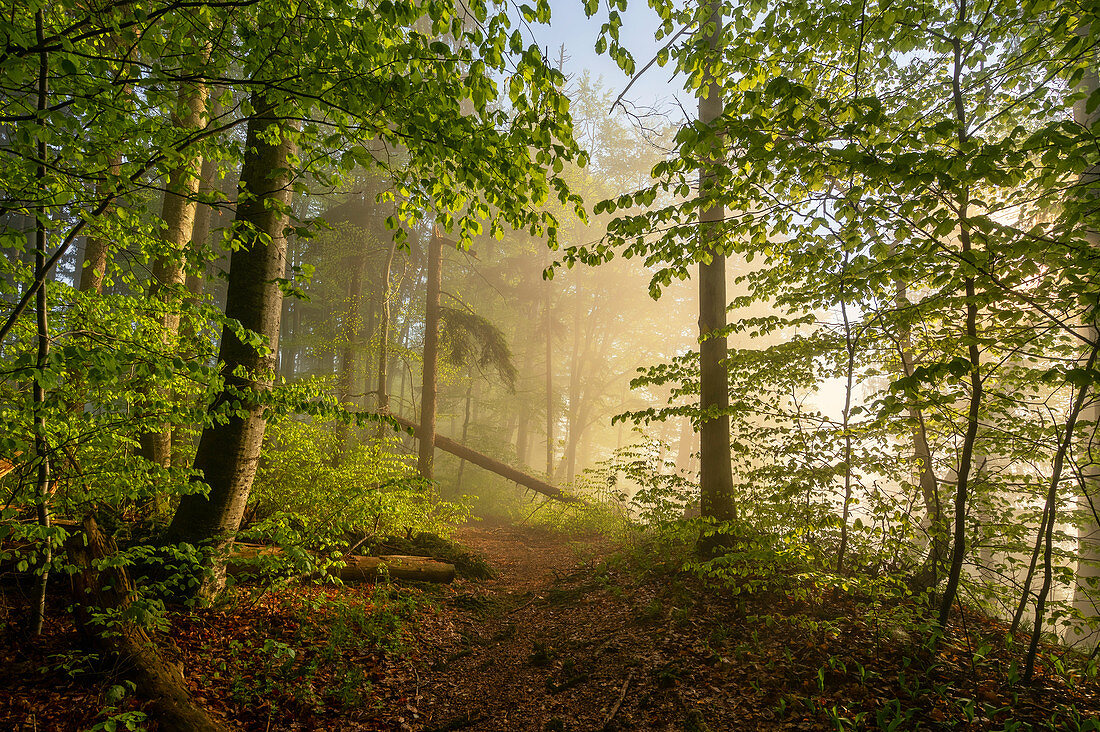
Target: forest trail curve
554	642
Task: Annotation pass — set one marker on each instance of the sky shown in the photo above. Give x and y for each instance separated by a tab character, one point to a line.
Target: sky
569	26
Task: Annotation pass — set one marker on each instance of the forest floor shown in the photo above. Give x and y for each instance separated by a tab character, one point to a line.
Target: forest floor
577	634
564	640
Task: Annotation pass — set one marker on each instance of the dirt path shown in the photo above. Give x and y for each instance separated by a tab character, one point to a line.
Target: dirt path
548	645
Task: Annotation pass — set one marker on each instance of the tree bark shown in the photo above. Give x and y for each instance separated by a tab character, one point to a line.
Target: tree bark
169	275
426	455
548	322
93	270
41	449
927	576
962	486
200	230
350	332
1086	596
465	429
850	345
384	338
228	451
1051	512
715	469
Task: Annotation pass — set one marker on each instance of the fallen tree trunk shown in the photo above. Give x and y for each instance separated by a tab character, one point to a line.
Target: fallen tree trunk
242	563
99	590
484	461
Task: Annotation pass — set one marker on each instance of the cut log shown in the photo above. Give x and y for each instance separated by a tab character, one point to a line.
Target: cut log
109	589
495	466
398	566
356	568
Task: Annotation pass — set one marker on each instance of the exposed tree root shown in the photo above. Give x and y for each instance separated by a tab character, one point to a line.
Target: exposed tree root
98	590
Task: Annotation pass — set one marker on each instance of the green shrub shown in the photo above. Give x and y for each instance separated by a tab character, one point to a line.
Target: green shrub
311	493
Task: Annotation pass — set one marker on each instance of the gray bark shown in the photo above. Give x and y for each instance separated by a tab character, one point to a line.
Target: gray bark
715	468
426	454
1086	598
178	213
228	452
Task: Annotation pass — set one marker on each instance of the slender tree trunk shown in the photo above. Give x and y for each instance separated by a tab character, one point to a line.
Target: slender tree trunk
1086	598
522	437
926	577
426	455
850	347
93	270
169	274
41	449
716	471
465	431
568	460
962	486
685	446
384	337
547	322
351	327
1025	592
228	452
1052	514
200	231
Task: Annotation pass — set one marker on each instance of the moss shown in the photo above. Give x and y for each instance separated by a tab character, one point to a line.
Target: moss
468	564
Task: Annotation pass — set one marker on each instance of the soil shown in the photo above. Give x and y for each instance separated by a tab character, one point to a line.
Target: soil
561	641
550	644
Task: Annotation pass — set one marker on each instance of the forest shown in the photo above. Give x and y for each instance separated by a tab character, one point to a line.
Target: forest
373	365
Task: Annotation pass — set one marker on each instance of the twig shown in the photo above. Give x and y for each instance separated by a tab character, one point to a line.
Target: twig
526	604
646	67
618	703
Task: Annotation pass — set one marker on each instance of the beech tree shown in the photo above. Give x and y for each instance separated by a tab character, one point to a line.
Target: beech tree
229	448
924	145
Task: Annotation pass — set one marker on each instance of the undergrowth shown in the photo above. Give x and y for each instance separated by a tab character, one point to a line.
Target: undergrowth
848	652
302	654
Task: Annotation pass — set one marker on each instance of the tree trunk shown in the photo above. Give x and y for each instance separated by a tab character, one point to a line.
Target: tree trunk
384	338
850	343
426	455
547	322
93	270
351	334
242	563
567	466
686	445
962	487
927	576
1051	514
178	213
715	470
200	230
1086	596
41	449
465	430
522	437
228	452
490	464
